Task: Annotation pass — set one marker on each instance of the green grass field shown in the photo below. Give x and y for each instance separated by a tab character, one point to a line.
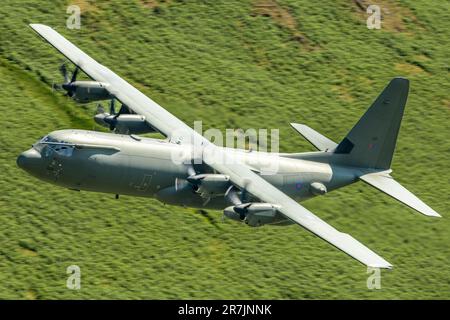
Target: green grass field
233	64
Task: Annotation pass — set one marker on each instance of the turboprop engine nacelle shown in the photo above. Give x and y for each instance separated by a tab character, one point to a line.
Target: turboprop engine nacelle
254	214
82	91
124	123
210	185
87	91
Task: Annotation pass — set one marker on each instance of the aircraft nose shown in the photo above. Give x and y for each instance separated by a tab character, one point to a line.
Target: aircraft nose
29	159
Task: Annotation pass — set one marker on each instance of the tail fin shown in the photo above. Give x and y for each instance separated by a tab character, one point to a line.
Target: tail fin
371	142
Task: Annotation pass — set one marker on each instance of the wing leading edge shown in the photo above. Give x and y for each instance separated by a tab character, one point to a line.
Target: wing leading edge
240	175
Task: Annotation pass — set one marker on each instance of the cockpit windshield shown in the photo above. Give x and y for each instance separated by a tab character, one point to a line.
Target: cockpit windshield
48	145
39	145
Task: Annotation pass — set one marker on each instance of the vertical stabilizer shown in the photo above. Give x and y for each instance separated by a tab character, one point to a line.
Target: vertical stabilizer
371	142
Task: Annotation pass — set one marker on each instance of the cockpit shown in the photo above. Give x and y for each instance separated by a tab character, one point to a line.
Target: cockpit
48	145
45	156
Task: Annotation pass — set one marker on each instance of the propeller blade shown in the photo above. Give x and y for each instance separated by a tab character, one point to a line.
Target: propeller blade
111	121
232	196
70	92
123	110
99	109
242	210
112	108
57	87
63	70
74	75
244	193
191	170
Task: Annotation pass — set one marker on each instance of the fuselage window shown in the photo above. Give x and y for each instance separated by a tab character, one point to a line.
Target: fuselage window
65	151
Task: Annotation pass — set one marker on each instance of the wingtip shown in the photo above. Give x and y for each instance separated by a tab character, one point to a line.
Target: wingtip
36	26
294	124
385	265
434	214
428	211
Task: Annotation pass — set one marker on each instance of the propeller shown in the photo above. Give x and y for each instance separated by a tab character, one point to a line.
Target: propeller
68	85
112	121
240	200
242	209
104	118
63	70
112	109
244	193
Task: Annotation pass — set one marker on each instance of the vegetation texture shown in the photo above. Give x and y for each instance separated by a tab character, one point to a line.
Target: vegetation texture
233	64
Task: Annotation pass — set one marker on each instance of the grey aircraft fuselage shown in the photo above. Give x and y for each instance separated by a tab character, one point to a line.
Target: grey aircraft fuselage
139	166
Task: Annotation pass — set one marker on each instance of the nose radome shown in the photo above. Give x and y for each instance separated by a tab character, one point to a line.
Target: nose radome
28	159
21	161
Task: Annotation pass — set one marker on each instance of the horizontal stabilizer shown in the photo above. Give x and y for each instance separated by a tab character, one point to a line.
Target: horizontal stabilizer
318	140
384	182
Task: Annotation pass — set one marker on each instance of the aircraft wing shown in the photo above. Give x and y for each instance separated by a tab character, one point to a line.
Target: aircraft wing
239	174
158	117
244	178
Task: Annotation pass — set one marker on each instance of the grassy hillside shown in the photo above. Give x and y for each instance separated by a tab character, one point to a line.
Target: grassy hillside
234	63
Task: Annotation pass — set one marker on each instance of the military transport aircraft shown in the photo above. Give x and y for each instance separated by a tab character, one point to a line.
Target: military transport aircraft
211	176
